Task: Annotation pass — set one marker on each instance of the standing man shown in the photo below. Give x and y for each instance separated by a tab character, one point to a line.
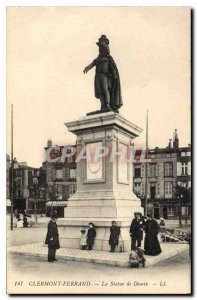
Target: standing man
52	238
136	231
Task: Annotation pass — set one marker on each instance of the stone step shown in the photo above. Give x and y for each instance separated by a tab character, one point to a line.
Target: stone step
101	257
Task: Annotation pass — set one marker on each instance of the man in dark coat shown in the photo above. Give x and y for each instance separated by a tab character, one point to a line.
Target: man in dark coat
107	80
136	231
114	236
151	243
91	235
52	238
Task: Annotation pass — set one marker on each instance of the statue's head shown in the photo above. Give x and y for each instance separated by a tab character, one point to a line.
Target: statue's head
103	44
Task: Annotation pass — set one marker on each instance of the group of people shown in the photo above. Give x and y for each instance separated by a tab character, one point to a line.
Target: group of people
139	225
21	217
88	237
151	228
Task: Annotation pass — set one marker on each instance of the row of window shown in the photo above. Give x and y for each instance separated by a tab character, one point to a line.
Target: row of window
154	189
153	169
71	173
153	155
59	190
184	211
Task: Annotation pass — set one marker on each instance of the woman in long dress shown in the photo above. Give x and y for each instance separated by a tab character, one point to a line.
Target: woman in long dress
151	244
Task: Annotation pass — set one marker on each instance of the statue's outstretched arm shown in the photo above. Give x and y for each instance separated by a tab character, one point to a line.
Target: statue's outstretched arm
89	67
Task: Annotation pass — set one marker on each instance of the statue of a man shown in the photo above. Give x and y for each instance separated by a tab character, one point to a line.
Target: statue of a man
107	80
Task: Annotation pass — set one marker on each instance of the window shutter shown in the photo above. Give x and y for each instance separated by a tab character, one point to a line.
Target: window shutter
179	169
148	170
170	189
142	170
148	190
158	189
142	189
189	168
157	170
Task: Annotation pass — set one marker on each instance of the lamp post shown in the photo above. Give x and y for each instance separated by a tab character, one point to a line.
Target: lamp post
180	212
35	193
12	169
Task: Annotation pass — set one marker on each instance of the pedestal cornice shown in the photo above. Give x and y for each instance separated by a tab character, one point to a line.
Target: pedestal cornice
104	120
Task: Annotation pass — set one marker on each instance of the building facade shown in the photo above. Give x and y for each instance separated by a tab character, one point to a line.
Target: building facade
29	190
60	177
166	168
8	202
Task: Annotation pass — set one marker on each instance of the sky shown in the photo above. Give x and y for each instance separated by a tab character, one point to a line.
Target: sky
48	48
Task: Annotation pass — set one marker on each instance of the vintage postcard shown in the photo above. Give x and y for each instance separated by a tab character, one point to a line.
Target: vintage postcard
98	163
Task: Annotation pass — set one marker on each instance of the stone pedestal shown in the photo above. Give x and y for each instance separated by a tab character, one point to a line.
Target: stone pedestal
104	185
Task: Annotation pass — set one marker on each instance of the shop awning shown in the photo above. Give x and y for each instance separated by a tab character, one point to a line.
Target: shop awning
57	203
36	200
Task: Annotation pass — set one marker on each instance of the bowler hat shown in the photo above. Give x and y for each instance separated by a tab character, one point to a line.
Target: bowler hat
137	213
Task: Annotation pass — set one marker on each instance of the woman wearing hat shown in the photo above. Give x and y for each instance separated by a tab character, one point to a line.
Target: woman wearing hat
151	243
52	238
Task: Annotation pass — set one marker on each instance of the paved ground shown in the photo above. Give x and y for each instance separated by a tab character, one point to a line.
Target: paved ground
27	274
171	276
102	257
23	236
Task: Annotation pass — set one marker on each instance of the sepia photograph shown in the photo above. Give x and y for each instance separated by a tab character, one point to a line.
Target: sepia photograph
98	150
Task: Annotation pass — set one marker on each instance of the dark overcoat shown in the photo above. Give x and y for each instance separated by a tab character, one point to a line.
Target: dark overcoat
114	235
115	88
151	243
52	237
107	78
91	236
136	229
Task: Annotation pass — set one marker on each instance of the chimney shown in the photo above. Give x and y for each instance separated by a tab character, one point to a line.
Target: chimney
170	143
175	140
49	143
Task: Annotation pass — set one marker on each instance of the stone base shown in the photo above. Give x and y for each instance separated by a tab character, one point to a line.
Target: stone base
101	111
69	233
103	194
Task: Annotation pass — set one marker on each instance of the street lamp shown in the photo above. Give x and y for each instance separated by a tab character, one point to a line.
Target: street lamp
180	212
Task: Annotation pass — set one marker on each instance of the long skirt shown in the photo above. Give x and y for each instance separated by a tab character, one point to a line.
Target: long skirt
151	245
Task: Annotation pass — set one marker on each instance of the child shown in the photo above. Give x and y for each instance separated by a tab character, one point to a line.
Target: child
136	257
91	235
114	236
83	241
25	222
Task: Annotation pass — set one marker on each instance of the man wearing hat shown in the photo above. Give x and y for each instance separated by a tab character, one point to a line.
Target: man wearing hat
52	238
107	80
136	231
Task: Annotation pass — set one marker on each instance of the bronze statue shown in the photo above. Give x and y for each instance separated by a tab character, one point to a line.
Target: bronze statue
107	80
